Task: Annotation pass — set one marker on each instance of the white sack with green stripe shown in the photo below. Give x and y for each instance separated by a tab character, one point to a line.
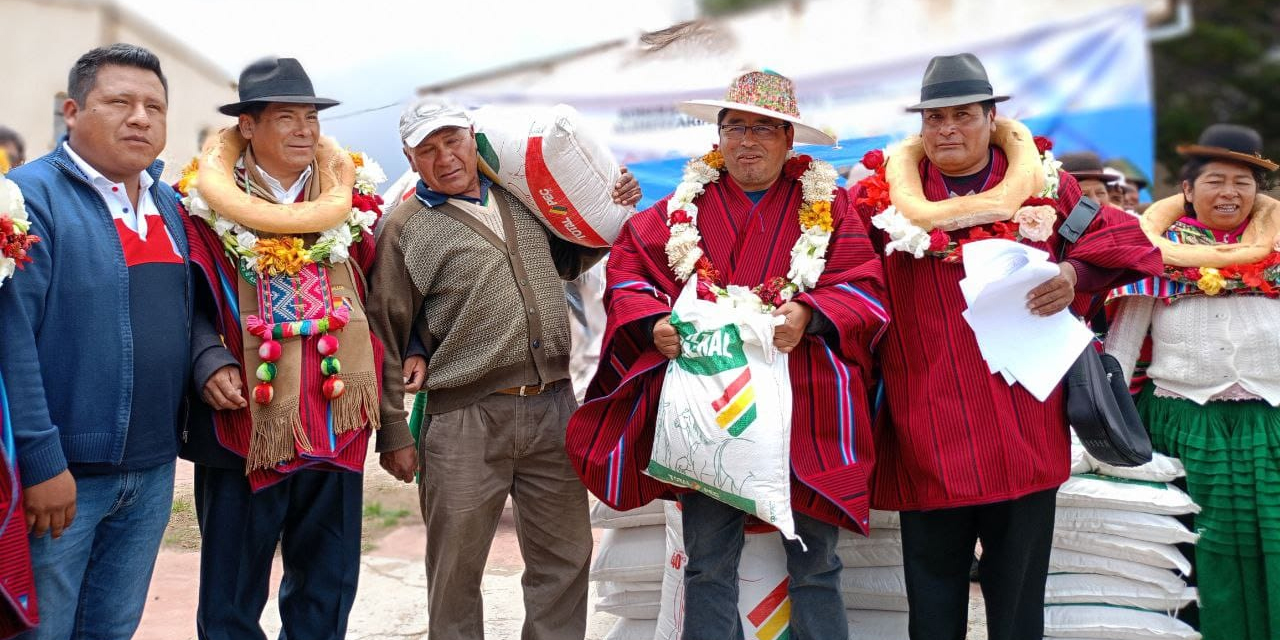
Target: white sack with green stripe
724	417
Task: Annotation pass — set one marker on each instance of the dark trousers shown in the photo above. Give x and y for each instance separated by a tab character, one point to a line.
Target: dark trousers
937	549
314	516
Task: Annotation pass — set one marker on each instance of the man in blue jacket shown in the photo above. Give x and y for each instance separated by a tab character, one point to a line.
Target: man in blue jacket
95	348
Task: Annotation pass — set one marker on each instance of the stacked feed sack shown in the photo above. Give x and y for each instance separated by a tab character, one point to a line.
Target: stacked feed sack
628	566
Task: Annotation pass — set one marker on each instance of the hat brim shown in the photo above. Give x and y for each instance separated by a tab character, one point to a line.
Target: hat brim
422	132
709	110
237	108
1093	175
1199	151
955	101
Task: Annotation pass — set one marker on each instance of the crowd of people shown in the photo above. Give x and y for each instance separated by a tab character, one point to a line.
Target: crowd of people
264	318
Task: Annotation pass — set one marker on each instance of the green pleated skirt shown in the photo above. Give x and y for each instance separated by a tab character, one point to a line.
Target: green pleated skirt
1231	451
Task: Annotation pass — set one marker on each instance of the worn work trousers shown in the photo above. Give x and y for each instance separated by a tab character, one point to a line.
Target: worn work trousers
471	460
937	549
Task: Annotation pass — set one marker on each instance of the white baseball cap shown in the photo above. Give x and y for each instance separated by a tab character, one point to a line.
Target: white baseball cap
426	115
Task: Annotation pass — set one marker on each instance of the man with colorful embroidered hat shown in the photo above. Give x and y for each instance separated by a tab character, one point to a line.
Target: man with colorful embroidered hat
95	348
1211	393
280	219
471	285
963	454
757	205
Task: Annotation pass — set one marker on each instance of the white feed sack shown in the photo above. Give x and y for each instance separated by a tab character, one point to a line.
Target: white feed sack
560	170
1113	623
1091	491
1067	561
1126	524
631	629
605	517
724	417
883	548
635	554
1155	554
1074	588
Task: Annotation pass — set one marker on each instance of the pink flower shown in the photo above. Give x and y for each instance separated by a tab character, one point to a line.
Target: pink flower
1036	223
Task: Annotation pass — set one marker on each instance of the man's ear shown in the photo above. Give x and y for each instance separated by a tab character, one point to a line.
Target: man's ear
246	123
69	112
409	156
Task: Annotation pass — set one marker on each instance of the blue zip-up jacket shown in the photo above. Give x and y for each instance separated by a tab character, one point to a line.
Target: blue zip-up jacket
65	329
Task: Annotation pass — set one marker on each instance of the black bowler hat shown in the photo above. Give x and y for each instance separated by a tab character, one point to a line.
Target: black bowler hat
1086	165
275	80
1229	142
954	80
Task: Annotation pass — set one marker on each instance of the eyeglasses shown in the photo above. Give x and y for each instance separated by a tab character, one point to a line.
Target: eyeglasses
760	131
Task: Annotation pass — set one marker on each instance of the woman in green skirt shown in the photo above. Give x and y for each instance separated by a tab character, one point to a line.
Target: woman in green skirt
1208	332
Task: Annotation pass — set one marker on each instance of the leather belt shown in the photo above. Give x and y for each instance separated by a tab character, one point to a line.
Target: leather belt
531	389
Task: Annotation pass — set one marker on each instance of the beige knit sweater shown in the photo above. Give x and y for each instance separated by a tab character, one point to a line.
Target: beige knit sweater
490	312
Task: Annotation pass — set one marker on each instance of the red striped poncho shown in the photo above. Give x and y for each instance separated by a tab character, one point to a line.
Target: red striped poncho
950	432
610	438
330	451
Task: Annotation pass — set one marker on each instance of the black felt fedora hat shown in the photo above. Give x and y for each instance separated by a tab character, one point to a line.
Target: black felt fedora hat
954	80
1229	142
275	80
1086	165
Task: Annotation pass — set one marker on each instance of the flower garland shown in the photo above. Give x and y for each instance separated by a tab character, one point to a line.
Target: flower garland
1033	222
1259	277
808	255
289	254
14	225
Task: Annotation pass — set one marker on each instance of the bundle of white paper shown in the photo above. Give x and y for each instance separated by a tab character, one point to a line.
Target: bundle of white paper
1032	350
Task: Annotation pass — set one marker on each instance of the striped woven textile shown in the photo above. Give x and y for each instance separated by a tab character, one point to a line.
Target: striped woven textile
335	452
610	437
950	432
18	609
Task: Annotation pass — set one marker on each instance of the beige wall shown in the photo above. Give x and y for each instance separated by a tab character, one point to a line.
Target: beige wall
54	33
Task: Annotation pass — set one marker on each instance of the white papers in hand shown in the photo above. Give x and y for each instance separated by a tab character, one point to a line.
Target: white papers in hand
1033	350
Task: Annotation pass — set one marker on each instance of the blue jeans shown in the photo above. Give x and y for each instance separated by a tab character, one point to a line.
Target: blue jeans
92	582
713	539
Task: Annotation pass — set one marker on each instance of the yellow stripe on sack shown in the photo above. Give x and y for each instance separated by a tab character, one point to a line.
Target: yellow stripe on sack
735	408
777	623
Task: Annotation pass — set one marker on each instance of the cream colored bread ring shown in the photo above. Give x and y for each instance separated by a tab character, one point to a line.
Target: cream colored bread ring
1024	179
1258	240
336	175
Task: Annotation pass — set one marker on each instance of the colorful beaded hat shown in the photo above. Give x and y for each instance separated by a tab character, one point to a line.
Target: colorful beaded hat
761	92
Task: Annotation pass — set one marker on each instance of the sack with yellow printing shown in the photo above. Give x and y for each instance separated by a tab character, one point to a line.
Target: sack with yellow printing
556	167
724	416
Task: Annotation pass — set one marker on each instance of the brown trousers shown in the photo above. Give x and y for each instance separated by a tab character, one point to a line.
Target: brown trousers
471	460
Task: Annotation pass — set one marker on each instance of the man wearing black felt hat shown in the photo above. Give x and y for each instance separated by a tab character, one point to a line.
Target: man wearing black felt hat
280	221
964	455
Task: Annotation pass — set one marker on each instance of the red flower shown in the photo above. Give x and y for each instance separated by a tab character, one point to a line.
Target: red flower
1043	144
873	159
707	271
795	167
938	240
1006	230
366	203
875	193
978	233
6	227
680	216
1192	274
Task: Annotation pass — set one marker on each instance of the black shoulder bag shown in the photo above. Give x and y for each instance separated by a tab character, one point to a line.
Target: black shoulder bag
1099	405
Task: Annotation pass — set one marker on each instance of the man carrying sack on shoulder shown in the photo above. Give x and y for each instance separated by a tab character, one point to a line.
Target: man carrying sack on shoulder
469	284
765	232
963	454
280	221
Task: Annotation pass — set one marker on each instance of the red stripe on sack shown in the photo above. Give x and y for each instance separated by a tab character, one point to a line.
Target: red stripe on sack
733	390
551	200
761	612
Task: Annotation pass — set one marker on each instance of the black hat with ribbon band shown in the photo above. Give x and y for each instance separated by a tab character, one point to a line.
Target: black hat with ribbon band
954	80
275	80
1232	142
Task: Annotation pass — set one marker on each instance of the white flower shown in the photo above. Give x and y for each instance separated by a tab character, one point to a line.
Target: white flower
369	176
12	203
250	262
341	234
7	268
246	239
741	298
196	205
1050	167
222	225
362	219
819	181
701	172
806	268
338	252
817	238
904	236
684	194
